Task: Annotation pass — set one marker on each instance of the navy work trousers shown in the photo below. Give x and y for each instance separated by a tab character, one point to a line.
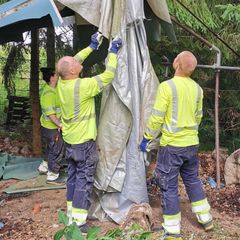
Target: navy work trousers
82	161
54	148
172	161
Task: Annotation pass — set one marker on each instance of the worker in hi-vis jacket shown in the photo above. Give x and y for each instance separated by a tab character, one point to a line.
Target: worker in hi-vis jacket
79	125
177	113
50	125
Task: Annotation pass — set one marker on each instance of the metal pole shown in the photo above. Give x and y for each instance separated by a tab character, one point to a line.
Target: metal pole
219	67
213	67
218	63
217	129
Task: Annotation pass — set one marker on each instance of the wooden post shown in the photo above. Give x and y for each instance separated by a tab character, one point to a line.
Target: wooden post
51	47
34	94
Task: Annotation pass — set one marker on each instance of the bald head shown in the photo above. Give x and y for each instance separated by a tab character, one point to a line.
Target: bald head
185	64
68	68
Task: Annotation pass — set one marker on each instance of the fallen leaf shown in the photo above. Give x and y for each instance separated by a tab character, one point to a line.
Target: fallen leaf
36	208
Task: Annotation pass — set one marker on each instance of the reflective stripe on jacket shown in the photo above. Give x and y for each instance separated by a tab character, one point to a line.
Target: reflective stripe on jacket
83	54
177	112
77	103
49	105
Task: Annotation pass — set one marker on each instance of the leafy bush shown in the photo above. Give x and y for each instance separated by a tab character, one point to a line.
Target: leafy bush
72	232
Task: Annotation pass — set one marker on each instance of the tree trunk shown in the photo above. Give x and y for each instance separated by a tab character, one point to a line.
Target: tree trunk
51	47
34	94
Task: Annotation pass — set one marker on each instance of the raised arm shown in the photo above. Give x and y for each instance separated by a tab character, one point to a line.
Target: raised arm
96	41
95	84
156	119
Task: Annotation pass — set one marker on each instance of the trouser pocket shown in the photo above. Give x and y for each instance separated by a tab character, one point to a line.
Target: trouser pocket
163	168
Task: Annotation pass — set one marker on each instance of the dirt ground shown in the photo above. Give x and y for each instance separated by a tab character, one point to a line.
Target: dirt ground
34	215
24	219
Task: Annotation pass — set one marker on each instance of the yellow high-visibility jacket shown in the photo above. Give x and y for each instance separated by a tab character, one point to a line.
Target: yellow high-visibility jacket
77	101
50	105
177	113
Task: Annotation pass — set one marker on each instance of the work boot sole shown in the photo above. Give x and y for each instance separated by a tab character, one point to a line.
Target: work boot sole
208	226
173	237
42	173
55	183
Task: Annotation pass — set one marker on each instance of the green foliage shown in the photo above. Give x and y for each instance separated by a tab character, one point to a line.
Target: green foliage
62	218
93	233
231	13
14	60
114	233
220	16
202	11
3	1
72	232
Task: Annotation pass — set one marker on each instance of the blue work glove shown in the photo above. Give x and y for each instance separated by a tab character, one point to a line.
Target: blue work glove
96	40
144	144
115	45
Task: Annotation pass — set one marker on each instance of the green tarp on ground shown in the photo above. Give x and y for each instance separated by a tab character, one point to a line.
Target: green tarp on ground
36	184
18	167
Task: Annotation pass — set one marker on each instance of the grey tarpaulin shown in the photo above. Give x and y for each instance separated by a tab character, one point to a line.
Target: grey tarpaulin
126	104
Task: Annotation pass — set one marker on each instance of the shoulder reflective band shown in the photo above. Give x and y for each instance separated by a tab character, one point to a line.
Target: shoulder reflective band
76	100
198	96
198	100
174	103
99	81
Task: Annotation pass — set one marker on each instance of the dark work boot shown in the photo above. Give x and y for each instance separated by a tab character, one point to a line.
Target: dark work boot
84	228
208	226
